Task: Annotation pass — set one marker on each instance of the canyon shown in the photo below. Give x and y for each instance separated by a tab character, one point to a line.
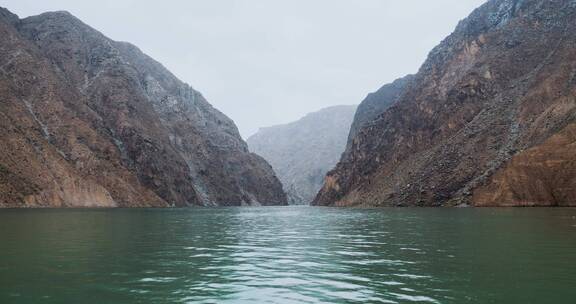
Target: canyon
489	120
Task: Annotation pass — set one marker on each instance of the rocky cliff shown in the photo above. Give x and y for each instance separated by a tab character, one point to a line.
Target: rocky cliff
375	104
303	151
489	119
88	121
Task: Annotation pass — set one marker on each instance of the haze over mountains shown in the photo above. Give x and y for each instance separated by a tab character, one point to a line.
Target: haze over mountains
265	63
489	119
91	122
303	151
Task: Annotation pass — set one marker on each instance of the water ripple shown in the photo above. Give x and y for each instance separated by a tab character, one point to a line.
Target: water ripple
288	255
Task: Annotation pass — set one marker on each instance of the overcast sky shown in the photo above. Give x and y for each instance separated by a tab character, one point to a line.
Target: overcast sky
267	62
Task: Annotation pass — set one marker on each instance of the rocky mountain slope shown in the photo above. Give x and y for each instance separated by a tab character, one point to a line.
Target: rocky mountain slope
303	151
489	119
375	104
87	121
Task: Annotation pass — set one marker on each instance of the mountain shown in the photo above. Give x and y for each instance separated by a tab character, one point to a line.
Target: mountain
375	104
488	120
303	151
87	121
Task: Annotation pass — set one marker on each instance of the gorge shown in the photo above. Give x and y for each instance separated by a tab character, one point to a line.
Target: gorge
121	183
488	120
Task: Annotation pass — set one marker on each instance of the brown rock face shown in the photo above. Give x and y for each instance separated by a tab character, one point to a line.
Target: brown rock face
544	175
87	121
488	119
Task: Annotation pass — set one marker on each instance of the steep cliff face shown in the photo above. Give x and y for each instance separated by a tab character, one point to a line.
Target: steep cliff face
303	151
88	121
376	103
488	120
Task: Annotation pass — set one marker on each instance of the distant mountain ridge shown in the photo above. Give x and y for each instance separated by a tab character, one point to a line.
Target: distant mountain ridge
303	151
90	122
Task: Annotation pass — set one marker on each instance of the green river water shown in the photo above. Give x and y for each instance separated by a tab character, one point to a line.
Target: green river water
288	255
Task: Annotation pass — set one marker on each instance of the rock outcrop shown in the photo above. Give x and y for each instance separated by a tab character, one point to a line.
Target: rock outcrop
90	122
303	151
488	120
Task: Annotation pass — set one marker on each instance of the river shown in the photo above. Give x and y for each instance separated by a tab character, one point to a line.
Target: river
288	255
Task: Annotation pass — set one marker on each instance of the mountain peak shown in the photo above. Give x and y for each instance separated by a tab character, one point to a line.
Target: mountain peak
56	16
5	14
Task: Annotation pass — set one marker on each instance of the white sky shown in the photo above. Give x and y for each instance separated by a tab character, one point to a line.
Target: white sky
266	62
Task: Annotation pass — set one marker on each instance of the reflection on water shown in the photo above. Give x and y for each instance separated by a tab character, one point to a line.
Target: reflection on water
288	255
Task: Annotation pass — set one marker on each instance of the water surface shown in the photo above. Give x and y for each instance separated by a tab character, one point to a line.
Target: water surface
288	255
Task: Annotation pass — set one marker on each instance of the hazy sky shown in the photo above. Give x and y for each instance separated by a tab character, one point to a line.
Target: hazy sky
266	62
